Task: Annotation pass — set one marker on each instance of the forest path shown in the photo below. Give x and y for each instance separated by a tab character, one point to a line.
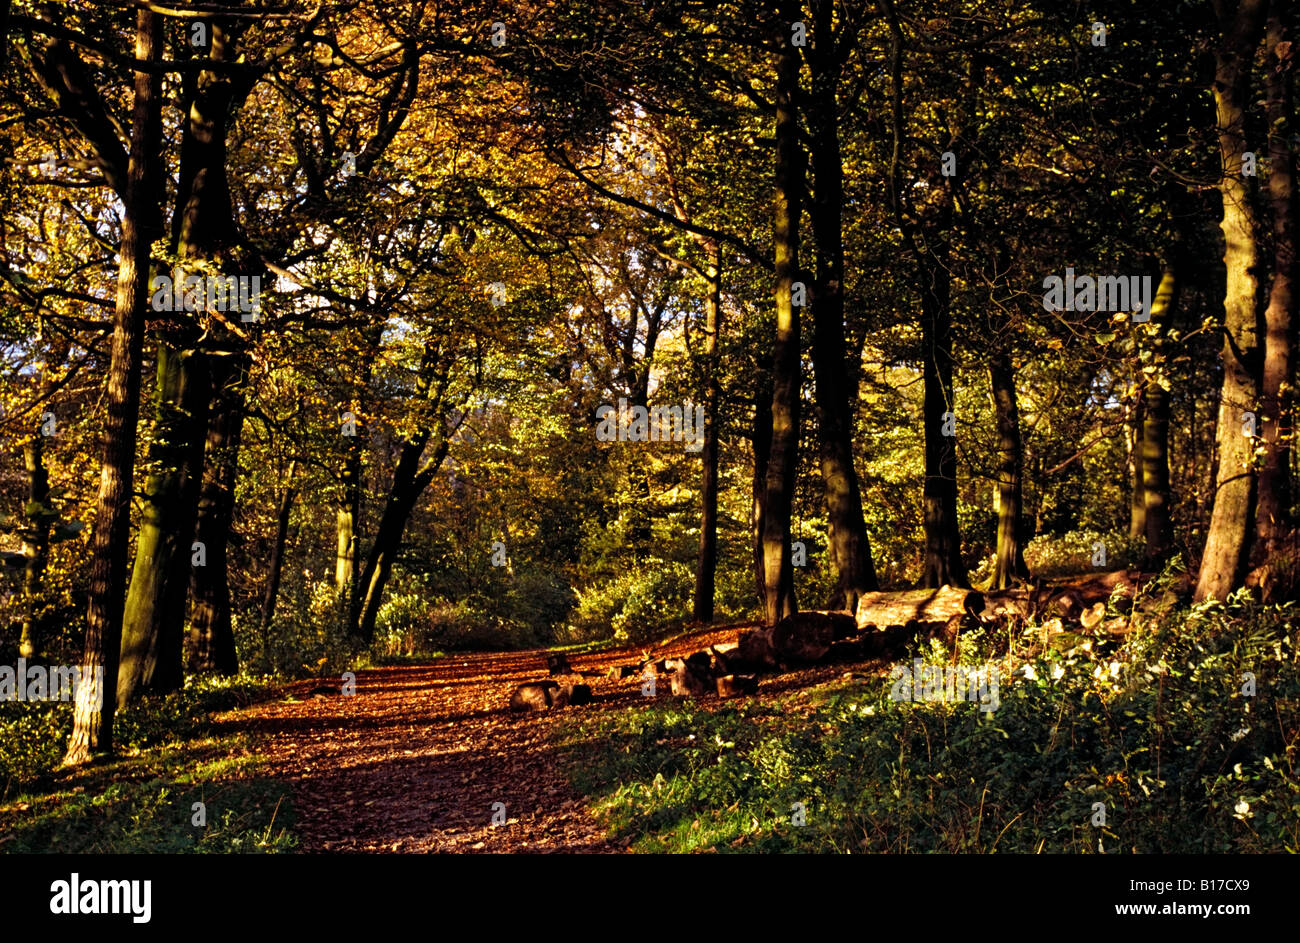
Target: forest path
415	759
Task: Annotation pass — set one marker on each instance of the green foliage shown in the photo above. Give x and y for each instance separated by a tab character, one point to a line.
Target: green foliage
33	735
1071	554
1162	735
636	605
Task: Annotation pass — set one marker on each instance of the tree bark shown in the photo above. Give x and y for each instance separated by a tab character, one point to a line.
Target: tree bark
1137	504
1009	561
778	574
36	540
1227	542
1273	524
707	561
761	440
210	645
1157	500
276	567
848	543
943	564
152	625
92	730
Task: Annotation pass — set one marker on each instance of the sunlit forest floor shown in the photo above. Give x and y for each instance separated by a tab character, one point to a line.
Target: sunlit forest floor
1143	741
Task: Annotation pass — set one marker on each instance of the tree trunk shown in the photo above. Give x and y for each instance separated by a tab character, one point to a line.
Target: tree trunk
778	574
1272	517
211	642
848	543
1009	561
276	567
1137	504
1157	501
761	440
92	730
153	620
943	564
1227	543
409	482
36	540
707	561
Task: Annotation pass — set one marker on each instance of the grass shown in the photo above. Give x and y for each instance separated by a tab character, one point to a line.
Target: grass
174	786
1165	742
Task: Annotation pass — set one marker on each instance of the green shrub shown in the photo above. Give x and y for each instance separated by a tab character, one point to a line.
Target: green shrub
635	605
1071	554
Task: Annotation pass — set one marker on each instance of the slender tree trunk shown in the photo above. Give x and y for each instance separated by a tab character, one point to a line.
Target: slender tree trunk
1156	496
211	642
849	545
1137	504
1227	543
778	574
276	566
152	626
36	540
92	730
1273	525
761	439
707	561
1009	561
943	564
409	482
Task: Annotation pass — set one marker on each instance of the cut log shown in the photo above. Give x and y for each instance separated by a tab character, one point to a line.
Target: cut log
924	605
803	637
1092	617
533	697
558	664
736	685
545	695
693	675
571	695
755	649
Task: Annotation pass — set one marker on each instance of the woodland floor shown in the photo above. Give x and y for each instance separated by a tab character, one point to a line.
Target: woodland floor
415	759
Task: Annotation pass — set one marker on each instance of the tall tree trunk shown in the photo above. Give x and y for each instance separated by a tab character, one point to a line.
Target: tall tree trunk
943	564
707	561
35	532
761	440
36	540
211	642
409	481
1158	528
152	625
1272	518
778	574
849	545
1137	502
1227	543
276	567
1009	561
92	729
410	478
347	519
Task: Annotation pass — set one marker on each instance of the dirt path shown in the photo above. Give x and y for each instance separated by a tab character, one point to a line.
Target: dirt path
414	761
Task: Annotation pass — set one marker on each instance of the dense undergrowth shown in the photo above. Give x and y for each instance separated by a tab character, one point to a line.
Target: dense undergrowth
1160	740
